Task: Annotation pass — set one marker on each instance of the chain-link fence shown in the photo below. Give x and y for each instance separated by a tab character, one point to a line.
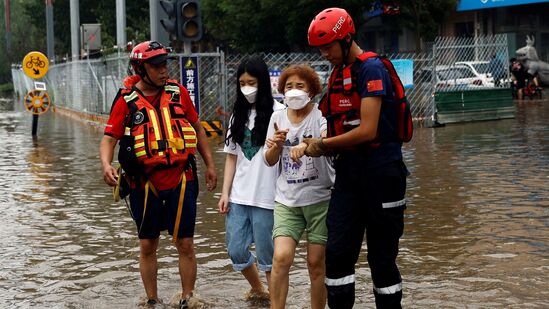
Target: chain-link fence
470	63
420	95
90	85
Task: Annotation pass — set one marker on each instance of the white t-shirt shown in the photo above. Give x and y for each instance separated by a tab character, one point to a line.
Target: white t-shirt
309	181
254	181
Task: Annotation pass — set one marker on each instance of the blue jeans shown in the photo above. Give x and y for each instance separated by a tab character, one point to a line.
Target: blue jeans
246	225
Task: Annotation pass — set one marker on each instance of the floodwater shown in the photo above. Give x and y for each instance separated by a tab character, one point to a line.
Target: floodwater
476	233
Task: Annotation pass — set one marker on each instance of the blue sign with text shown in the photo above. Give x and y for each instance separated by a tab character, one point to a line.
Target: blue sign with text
466	5
189	79
405	70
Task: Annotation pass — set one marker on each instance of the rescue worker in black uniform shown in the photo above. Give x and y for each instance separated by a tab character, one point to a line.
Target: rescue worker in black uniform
370	185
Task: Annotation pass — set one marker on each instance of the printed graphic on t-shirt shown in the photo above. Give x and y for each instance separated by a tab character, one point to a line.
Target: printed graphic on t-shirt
298	172
248	149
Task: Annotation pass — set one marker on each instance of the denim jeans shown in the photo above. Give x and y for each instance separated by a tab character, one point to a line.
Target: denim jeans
246	225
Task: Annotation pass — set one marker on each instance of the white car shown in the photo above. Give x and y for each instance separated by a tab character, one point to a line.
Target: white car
481	69
458	77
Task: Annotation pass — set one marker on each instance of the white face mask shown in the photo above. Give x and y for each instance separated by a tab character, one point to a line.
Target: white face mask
296	99
250	93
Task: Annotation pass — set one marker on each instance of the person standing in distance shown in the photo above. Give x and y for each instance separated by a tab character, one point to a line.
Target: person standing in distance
159	130
249	184
370	185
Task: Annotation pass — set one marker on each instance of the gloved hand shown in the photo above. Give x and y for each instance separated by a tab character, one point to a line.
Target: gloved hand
315	147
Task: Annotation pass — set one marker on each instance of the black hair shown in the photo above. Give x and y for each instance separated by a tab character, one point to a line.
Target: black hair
256	67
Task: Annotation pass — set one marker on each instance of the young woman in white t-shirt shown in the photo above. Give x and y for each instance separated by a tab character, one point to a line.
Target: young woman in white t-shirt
248	191
303	187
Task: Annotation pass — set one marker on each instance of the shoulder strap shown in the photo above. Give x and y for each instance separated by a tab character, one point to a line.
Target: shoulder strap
171	86
367	55
353	69
398	88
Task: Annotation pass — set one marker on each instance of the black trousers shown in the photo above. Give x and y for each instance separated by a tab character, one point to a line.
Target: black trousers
367	200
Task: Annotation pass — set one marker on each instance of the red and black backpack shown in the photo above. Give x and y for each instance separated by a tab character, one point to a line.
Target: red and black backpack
405	126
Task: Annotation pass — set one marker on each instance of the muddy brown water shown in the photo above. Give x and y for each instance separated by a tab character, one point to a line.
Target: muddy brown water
476	233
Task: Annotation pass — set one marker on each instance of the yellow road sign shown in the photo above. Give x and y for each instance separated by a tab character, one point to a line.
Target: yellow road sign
37	101
35	64
190	64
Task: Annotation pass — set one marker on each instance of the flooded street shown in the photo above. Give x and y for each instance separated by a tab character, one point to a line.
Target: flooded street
476	229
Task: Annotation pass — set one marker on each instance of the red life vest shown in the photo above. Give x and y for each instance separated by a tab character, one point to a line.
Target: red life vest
163	137
341	105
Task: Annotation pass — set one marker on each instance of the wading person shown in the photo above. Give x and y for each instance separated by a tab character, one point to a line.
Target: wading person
248	192
303	186
370	184
159	133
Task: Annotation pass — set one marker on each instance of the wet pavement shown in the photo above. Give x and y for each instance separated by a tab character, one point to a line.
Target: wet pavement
476	232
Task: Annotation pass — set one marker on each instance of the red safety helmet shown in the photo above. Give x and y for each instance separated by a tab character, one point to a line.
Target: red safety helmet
330	25
148	51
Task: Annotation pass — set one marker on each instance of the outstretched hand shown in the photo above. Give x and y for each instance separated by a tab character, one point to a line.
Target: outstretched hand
279	137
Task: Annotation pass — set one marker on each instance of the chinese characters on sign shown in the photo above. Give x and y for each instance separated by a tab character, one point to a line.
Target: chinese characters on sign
189	79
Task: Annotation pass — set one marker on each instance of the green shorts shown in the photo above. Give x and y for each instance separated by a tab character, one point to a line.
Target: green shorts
292	221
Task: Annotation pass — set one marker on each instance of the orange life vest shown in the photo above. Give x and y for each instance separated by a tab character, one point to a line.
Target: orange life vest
163	137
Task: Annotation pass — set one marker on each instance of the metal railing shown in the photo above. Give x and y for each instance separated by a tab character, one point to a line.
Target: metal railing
90	85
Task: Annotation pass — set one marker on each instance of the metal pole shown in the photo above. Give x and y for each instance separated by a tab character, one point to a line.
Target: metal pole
224	95
153	14
7	19
187	48
34	124
49	30
75	28
121	24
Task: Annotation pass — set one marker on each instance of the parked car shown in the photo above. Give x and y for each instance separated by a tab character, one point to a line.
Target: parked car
481	69
459	77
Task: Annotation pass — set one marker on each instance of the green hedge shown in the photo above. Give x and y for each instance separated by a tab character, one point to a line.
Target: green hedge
6	88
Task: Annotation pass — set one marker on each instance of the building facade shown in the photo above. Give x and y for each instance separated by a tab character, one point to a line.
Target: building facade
515	18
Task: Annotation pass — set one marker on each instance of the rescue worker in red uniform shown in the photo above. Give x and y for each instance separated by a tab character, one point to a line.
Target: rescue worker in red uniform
159	132
370	185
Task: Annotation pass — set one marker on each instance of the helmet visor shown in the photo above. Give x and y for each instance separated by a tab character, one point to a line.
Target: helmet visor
158	59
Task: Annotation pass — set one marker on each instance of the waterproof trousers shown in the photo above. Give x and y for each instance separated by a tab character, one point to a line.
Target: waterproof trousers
363	200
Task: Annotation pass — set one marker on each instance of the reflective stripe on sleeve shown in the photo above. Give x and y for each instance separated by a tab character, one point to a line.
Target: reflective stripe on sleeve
340	281
390	289
394	204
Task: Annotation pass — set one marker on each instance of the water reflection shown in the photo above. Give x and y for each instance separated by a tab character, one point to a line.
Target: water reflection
475	235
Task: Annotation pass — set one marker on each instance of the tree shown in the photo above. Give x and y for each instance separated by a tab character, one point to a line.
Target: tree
425	17
25	36
264	25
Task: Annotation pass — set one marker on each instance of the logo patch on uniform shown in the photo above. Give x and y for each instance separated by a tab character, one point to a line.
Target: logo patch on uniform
138	118
375	85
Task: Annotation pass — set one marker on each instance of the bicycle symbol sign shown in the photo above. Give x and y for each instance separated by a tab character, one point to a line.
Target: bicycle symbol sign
35	64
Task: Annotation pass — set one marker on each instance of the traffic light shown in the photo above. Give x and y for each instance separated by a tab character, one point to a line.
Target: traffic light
170	23
189	20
